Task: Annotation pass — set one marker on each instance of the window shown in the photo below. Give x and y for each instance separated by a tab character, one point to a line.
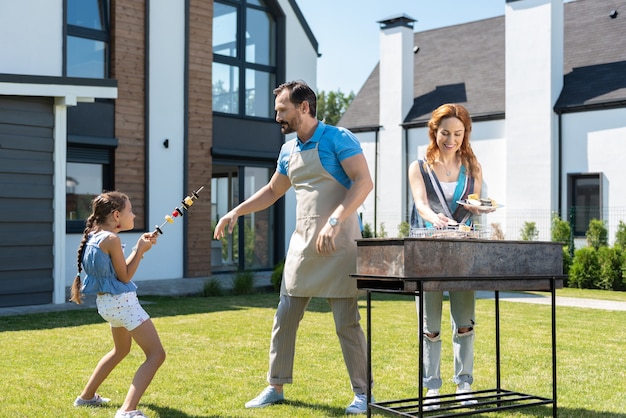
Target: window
584	200
89	172
251	245
87	42
91	145
244	58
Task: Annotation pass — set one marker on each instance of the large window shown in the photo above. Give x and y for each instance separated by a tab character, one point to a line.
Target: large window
244	58
251	245
87	42
585	200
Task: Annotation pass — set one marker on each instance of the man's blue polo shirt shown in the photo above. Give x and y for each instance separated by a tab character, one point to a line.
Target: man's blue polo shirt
335	145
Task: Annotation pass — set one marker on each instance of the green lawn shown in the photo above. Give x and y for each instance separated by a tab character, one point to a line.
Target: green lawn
218	353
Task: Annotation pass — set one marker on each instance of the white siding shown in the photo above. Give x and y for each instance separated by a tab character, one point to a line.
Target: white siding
32	37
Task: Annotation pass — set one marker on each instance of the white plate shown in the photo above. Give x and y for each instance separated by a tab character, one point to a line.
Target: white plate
480	208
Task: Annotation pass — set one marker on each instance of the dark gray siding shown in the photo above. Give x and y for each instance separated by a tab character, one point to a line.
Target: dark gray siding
26	200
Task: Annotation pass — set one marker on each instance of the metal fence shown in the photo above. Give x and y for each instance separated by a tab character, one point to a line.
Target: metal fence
513	221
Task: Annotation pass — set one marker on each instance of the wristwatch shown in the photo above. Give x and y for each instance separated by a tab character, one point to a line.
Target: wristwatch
333	221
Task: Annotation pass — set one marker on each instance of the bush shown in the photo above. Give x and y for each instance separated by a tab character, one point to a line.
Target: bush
560	231
367	231
212	288
620	235
403	229
277	275
567	261
622	284
597	234
381	231
585	268
529	231
496	231
610	269
243	283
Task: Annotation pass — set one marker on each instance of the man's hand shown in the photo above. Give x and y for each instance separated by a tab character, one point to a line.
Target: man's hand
230	220
325	243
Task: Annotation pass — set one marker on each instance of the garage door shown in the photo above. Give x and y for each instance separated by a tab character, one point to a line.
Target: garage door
26	200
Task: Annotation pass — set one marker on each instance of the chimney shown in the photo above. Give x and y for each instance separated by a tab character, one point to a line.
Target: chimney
534	79
395	101
396	68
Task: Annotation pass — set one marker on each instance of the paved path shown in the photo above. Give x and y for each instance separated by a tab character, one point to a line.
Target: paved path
544	299
177	287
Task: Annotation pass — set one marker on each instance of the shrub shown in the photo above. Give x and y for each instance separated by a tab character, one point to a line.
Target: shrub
277	275
610	269
597	234
585	268
620	235
243	283
529	231
381	231
212	288
403	229
622	284
367	231
496	231
560	231
567	261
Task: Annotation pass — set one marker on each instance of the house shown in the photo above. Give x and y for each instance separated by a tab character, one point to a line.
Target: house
152	98
546	86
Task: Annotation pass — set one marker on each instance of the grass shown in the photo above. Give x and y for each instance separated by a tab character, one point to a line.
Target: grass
218	352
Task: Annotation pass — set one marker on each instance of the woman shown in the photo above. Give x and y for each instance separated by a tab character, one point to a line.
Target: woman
449	173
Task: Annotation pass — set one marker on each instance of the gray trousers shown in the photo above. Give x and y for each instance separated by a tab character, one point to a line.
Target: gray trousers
290	312
462	311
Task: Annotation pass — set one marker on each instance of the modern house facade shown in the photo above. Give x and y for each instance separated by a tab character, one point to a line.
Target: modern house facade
546	87
152	98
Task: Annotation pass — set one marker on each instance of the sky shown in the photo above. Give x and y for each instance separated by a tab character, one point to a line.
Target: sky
347	32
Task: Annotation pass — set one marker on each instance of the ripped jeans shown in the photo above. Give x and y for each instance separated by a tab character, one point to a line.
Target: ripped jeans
462	312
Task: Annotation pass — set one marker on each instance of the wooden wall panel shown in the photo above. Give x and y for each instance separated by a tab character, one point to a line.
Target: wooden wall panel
199	136
128	54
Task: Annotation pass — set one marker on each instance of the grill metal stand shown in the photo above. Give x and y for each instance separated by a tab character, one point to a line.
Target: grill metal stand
382	267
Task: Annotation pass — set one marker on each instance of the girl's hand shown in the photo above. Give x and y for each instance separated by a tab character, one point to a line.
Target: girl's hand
146	241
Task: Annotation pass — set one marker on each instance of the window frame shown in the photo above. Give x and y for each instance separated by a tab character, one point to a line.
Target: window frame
103	35
587	212
239	60
96	151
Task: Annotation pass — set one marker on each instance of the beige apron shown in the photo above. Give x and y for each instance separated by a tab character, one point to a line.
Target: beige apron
318	194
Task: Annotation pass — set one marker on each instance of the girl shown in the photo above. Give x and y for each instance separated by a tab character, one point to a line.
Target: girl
109	276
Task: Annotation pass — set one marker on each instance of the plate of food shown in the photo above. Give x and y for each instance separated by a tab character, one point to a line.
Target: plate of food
482	204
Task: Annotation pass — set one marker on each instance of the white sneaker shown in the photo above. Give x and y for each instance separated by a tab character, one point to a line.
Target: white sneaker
359	404
461	390
431	401
96	401
267	397
130	414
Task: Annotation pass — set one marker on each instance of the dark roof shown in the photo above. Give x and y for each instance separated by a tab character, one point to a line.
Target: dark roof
465	64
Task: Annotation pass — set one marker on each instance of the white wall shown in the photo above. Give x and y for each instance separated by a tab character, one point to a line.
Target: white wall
166	121
595	142
31	37
368	143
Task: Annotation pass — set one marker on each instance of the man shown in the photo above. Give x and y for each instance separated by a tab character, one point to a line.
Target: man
326	167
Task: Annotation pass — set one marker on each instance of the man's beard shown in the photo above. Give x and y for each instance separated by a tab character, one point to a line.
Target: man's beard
286	128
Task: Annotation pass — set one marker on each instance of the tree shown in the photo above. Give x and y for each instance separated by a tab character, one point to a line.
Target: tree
332	105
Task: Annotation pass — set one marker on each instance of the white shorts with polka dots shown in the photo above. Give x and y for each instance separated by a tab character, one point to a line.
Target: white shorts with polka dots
121	310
